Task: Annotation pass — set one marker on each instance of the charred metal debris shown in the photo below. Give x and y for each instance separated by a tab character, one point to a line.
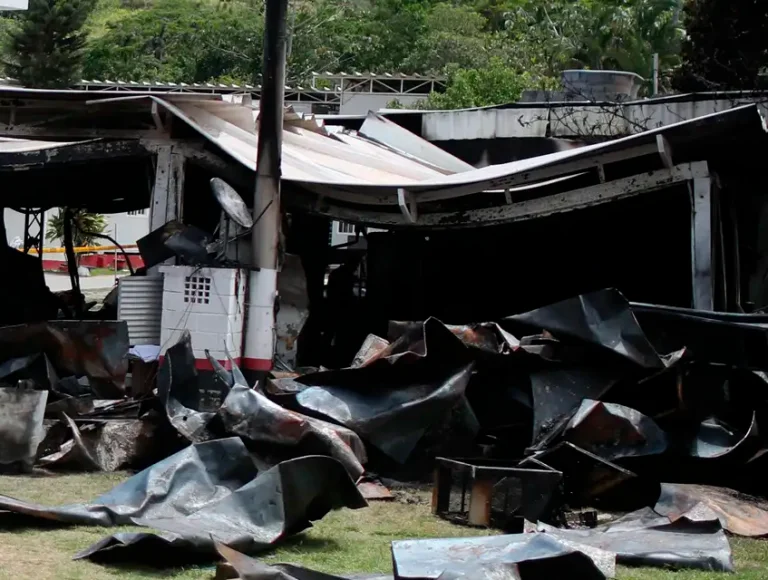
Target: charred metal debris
593	431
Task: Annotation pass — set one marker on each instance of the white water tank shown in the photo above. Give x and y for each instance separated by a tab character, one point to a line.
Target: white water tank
601	85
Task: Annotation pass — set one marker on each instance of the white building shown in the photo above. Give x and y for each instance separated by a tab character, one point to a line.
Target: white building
126	228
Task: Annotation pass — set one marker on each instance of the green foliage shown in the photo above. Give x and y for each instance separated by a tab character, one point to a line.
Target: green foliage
604	34
221	40
726	47
46	45
494	84
180	41
453	36
84	224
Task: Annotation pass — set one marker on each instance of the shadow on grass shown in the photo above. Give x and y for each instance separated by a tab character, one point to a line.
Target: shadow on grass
162	563
14	522
306	544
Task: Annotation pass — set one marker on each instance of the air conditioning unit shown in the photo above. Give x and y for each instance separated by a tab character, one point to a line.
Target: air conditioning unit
140	304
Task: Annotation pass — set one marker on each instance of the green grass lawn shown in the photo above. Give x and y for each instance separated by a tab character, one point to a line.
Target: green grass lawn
344	541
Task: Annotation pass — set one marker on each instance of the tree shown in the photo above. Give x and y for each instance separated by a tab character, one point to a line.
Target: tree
178	41
726	46
84	226
494	84
453	36
605	34
47	46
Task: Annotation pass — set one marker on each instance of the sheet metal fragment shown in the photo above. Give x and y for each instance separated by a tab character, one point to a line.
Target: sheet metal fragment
279	502
512	557
740	514
557	393
175	487
643	538
716	439
104	446
249	414
21	424
603	319
96	349
614	431
393	401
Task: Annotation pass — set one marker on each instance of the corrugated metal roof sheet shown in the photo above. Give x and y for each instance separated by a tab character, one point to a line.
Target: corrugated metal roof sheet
318	160
350	168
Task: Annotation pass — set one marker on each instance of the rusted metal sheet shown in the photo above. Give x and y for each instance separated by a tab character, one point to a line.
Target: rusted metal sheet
558	392
106	446
208	489
293	309
248	413
486	336
717	439
373	490
95	349
394	400
603	319
740	514
373	347
512	557
21	425
614	431
643	538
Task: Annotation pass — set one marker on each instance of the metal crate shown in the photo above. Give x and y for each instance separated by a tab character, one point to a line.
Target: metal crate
488	493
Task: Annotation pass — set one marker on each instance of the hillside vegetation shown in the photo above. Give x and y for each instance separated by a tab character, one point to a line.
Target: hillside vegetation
502	45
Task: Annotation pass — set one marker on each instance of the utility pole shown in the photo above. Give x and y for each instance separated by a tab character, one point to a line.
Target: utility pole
262	291
266	207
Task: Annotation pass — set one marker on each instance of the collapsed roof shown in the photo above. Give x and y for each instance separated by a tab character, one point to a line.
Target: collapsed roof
381	174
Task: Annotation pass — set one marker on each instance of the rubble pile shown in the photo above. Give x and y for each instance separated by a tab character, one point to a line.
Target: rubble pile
530	423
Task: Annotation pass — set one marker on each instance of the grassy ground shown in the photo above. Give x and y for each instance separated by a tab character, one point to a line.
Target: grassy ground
344	541
106	272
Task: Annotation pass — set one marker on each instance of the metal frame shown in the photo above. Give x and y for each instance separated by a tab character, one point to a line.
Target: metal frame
519	211
34	218
479	477
341	83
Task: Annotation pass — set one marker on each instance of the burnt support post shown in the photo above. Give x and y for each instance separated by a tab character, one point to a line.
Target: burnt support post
262	289
168	189
702	244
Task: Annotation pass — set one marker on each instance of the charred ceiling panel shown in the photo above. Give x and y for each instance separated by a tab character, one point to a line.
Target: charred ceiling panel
103	176
640	246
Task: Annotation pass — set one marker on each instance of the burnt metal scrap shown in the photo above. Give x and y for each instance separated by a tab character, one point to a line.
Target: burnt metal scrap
614	431
393	400
247	413
21	425
740	514
644	538
592	402
211	489
88	348
512	557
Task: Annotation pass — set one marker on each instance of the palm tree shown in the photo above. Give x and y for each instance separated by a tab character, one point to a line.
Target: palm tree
84	226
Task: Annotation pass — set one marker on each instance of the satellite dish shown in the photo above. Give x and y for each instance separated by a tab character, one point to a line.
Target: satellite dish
231	202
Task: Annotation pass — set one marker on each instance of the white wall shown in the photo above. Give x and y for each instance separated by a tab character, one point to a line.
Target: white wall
129	227
353	103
